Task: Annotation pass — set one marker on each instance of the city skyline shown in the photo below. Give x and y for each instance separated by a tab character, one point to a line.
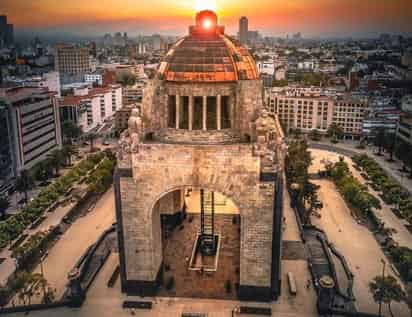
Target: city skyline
319	18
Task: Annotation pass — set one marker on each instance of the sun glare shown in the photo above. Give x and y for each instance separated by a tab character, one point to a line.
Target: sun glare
207	24
206	5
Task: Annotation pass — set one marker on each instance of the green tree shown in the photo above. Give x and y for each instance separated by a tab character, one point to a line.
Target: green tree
315	135
42	171
126	79
4	204
68	151
379	140
24	183
70	131
56	160
91	137
335	131
386	290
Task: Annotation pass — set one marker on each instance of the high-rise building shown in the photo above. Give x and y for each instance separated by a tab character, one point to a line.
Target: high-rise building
243	30
30	125
6	32
72	60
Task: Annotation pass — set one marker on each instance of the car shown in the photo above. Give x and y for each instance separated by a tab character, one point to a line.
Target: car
105	142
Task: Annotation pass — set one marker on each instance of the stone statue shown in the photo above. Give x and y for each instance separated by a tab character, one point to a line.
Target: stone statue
135	130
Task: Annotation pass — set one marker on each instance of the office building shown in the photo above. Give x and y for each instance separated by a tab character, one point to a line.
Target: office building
6	32
33	128
243	30
72	60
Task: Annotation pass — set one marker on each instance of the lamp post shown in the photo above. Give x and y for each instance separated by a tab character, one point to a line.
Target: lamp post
43	255
381	290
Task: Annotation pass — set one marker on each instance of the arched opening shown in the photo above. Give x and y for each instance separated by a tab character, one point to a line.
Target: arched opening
186	270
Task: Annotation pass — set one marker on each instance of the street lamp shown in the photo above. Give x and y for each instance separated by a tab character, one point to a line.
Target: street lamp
381	289
43	255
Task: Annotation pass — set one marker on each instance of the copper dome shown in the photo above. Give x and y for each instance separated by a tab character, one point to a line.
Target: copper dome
207	55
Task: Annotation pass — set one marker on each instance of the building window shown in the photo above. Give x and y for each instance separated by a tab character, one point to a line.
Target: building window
171	118
197	113
225	113
211	117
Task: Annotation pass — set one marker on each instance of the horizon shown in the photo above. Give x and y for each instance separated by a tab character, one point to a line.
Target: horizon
75	19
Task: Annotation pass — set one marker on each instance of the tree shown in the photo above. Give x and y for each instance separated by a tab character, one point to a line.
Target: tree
335	131
126	79
380	140
42	171
4	204
70	131
315	135
312	203
386	290
68	151
24	183
56	160
389	144
91	137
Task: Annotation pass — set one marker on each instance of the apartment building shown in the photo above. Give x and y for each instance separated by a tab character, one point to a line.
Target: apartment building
311	108
72	60
133	94
30	126
349	114
91	107
405	129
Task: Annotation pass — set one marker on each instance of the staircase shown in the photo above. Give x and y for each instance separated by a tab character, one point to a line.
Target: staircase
207	225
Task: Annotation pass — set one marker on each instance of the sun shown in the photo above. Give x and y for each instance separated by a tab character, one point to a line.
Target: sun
206	5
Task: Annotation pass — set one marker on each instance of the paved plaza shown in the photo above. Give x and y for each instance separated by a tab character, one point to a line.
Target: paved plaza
177	250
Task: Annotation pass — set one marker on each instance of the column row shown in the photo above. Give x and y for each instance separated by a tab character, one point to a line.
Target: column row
199	112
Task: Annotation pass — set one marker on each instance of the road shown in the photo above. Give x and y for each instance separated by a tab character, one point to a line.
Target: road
354	241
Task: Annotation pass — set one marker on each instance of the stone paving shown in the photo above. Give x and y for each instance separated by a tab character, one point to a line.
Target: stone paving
177	251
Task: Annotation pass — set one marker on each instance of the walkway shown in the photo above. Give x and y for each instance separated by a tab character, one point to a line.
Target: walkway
8	266
354	241
402	235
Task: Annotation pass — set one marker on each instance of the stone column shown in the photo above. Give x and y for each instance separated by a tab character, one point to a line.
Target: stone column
177	111
190	112
219	111
204	113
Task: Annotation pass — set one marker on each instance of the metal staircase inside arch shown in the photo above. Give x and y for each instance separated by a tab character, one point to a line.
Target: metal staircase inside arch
207	222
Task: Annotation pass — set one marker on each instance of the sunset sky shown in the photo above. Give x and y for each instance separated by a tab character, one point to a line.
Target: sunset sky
271	17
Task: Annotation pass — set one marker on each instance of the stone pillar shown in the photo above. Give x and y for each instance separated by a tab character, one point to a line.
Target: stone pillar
190	112
204	113
219	112
177	111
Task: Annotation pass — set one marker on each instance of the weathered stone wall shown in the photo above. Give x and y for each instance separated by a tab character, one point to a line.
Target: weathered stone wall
231	170
249	101
197	136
